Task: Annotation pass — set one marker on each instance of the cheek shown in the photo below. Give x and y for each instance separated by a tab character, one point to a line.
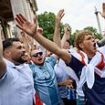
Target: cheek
33	59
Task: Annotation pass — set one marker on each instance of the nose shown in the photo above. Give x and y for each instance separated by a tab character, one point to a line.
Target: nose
93	39
23	50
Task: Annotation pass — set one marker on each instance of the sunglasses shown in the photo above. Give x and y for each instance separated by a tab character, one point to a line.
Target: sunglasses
36	55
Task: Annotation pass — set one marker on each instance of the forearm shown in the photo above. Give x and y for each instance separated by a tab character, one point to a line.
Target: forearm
53	47
64	38
61	84
49	45
56	37
2	68
2	64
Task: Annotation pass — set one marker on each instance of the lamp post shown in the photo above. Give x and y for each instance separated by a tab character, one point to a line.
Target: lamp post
98	21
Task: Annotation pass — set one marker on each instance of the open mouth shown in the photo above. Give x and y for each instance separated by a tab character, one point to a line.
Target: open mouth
94	44
39	59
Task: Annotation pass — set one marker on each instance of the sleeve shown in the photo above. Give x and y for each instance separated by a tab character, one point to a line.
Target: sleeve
101	42
75	64
3	77
52	60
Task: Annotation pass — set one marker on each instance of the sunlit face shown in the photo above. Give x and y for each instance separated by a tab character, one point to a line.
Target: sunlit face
88	45
17	52
38	58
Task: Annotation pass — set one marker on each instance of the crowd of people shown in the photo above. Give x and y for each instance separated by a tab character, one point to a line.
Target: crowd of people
62	76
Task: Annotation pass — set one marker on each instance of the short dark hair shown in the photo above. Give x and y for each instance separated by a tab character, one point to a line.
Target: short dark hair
8	42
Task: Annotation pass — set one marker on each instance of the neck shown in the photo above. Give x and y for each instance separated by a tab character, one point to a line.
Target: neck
90	54
16	63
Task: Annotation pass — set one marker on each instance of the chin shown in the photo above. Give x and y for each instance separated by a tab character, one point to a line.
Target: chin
21	61
41	63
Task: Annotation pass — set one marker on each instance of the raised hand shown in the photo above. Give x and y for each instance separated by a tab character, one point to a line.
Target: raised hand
67	31
26	26
56	37
59	15
102	14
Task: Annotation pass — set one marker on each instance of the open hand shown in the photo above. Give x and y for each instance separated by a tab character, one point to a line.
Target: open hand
26	26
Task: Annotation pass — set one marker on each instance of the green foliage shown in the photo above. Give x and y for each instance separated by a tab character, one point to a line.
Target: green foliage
47	22
72	37
94	31
89	28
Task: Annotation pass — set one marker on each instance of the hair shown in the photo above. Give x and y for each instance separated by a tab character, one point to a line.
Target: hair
68	41
8	42
79	37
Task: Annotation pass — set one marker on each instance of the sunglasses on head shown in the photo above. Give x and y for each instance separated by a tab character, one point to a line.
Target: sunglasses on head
39	53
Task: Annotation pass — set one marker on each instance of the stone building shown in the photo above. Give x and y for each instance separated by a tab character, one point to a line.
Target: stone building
8	10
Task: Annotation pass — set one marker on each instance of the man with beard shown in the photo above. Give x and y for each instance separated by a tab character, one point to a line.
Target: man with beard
44	77
14	50
16	81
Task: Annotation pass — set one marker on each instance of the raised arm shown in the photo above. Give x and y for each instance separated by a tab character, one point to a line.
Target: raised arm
2	63
57	37
31	29
103	13
66	36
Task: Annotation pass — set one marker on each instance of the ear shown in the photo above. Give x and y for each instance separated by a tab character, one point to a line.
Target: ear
81	45
7	53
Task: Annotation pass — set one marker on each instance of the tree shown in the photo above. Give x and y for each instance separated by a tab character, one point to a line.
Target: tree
94	31
89	28
47	22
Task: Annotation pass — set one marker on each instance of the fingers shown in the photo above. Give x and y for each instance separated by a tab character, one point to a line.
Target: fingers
20	19
61	13
40	30
19	26
35	20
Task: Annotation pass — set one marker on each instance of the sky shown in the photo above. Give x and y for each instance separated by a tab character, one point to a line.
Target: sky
78	13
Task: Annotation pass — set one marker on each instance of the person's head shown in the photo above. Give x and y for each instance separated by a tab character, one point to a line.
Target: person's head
37	57
85	41
13	50
66	44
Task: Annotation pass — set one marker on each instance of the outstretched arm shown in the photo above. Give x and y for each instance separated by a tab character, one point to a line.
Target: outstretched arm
2	63
31	29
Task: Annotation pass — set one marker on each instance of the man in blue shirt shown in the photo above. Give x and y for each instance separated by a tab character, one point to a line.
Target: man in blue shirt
44	77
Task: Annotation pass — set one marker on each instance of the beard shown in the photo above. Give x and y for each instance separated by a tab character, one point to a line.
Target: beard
20	61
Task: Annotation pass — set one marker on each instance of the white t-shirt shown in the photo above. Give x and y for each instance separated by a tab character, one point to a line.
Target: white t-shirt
16	86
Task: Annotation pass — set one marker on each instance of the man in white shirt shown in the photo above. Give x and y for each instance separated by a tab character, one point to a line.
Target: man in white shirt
16	81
